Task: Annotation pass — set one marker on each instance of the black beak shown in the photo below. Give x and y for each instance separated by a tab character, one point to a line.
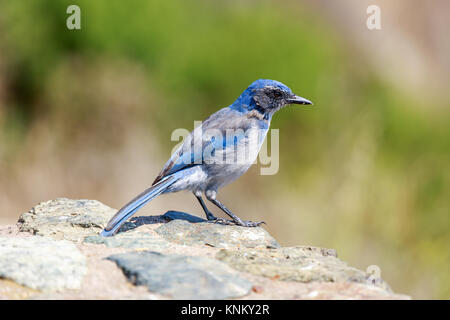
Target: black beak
298	100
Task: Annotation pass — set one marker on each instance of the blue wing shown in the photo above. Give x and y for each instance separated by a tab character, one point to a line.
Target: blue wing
202	144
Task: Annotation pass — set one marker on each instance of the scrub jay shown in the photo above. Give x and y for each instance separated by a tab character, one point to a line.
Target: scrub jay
210	157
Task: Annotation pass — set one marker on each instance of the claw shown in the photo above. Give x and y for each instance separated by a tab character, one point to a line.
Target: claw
222	221
248	224
253	224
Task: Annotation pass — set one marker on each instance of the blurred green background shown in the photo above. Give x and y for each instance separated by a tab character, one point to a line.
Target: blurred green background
88	114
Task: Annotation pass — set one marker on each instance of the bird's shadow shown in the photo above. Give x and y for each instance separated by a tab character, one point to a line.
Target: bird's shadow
168	216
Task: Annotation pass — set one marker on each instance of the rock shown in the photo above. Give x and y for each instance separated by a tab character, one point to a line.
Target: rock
66	219
346	291
182	277
303	264
197	260
42	263
130	240
10	290
216	235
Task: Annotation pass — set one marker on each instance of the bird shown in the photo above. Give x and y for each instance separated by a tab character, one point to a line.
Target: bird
217	152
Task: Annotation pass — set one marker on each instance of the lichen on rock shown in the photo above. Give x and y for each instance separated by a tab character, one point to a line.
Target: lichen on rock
182	277
303	264
66	218
42	263
216	235
175	255
130	240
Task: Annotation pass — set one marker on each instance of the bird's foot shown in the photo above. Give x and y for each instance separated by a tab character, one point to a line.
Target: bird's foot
242	223
250	224
222	221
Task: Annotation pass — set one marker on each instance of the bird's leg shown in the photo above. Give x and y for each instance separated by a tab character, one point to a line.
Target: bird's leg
208	213
211	196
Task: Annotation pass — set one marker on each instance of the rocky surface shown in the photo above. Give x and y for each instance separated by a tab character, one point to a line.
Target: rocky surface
130	240
55	252
66	219
215	235
42	263
179	276
302	264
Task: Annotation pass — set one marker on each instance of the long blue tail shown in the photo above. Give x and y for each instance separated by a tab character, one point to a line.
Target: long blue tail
134	205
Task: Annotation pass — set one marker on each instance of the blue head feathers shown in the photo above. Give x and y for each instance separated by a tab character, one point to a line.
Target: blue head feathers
246	98
266	97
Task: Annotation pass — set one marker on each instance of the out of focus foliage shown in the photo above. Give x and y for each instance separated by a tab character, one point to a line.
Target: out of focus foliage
368	166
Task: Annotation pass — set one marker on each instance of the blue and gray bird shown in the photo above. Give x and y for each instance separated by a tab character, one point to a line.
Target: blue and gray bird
217	152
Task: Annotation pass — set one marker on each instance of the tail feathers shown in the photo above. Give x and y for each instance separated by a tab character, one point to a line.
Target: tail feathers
134	205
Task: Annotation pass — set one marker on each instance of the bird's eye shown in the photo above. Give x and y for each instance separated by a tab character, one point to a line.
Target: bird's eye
277	94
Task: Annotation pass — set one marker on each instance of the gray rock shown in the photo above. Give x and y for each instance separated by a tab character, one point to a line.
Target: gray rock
303	264
216	235
130	240
42	263
66	219
182	277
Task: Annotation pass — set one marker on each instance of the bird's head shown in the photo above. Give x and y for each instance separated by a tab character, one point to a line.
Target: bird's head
267	97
